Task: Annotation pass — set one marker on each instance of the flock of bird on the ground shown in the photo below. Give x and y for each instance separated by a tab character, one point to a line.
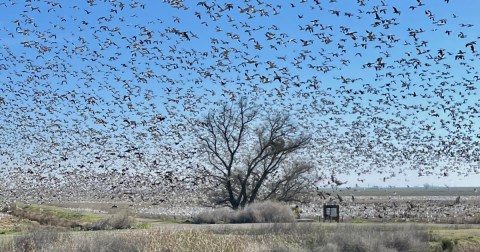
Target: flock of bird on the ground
104	97
439	209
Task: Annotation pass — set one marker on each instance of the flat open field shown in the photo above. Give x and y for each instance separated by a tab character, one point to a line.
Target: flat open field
443	218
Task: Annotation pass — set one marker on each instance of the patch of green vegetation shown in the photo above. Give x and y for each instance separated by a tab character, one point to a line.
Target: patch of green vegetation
58	212
11	225
473	239
143	226
7	231
358	221
170	221
447	244
446	239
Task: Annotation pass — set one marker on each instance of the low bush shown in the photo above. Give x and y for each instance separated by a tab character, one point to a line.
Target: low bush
214	216
271	212
262	212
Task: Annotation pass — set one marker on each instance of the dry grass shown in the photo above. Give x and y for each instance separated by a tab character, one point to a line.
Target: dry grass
265	237
150	240
37	239
349	237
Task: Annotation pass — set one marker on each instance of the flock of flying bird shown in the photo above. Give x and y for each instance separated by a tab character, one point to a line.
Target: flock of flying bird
104	97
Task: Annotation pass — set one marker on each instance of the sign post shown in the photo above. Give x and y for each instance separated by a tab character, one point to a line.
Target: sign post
331	212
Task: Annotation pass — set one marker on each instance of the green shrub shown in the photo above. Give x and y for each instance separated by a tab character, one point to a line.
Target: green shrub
447	245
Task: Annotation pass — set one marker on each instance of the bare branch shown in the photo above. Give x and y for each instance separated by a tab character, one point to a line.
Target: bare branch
244	152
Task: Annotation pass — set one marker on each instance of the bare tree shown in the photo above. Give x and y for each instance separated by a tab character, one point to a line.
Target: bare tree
249	156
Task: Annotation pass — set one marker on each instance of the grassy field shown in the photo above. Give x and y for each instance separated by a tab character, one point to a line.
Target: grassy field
121	226
256	237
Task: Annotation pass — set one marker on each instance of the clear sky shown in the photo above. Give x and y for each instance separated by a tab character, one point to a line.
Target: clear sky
384	87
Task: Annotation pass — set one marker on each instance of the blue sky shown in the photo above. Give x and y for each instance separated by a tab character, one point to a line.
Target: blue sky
139	75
